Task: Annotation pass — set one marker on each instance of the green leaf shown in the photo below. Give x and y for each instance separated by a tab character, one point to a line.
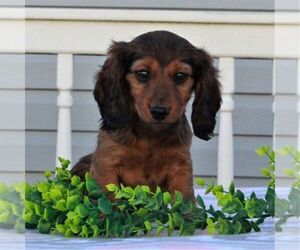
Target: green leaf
255	207
82	211
217	188
289	172
232	206
43	187
44	226
240	195
270	198
167	198
159	230
170	221
75	228
231	188
294	197
187	228
38	209
200	182
122	207
262	151
152	205
129	191
94	218
68	233
238	227
96	230
265	172
77	219
92	187
105	205
176	206
159	222
117	229
48	213
20	226
64	163
159	197
146	189
84	232
112	187
3	188
107	226
223	199
171	225
185	209
61	205
158	190
285	151
75	181
148	225
178	196
222	226
140	194
60	228
47	173
5	216
122	194
177	218
210	187
211	228
142	212
72	202
200	202
56	193
62	174
81	187
255	226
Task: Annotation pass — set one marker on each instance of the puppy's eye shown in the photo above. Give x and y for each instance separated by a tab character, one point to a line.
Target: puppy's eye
142	76
180	77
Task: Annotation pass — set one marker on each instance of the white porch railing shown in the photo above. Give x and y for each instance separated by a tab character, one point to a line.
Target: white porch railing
89	31
225	148
64	103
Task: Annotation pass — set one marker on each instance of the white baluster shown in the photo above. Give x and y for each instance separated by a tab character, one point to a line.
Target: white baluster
298	105
64	103
225	149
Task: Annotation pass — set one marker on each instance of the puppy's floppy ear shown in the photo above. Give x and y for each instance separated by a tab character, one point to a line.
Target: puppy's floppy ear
207	95
112	91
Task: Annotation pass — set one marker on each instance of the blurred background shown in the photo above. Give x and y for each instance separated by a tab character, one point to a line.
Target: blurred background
264	49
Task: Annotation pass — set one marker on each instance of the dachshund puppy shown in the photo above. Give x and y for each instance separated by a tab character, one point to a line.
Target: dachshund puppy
142	91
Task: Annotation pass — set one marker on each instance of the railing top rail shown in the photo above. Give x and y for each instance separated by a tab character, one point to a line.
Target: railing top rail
144	15
246	34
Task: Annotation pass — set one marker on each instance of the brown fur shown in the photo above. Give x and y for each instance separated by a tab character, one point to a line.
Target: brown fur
133	147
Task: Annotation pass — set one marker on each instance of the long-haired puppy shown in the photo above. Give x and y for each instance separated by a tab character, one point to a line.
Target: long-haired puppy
142	91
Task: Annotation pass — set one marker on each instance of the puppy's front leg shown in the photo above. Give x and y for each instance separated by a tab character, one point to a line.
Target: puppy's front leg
180	178
104	175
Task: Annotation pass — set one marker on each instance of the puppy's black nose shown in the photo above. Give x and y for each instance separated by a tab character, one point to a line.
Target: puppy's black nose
159	113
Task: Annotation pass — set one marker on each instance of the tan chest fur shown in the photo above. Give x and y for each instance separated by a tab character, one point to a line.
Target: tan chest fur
144	162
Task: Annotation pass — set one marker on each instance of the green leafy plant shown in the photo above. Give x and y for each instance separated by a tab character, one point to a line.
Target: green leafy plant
67	205
70	206
11	206
289	207
240	214
237	214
